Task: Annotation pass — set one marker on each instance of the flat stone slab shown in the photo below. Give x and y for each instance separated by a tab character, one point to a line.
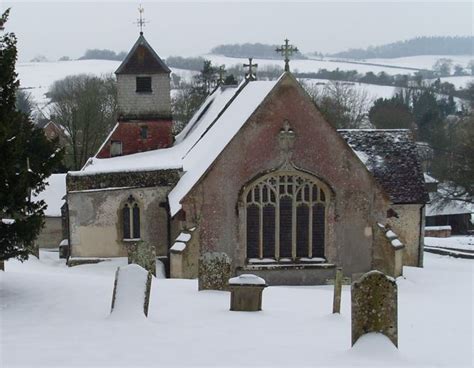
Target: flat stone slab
375	306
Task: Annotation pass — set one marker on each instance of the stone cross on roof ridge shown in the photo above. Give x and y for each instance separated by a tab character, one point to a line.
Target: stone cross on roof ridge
141	21
251	75
222	73
286	51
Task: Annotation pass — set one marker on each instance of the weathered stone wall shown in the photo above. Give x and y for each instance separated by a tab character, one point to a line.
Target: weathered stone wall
357	201
156	103
407	227
185	263
388	252
51	234
96	226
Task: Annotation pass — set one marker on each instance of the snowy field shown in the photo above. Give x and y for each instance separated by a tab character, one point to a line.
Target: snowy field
54	316
310	65
454	242
37	78
422	61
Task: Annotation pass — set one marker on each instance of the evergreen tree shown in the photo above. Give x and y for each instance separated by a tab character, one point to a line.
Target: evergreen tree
27	160
391	114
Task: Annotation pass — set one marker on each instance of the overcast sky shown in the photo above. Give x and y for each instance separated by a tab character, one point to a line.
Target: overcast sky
55	29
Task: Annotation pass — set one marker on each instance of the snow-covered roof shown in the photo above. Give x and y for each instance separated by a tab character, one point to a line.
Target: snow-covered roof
440	207
198	145
208	147
167	158
53	195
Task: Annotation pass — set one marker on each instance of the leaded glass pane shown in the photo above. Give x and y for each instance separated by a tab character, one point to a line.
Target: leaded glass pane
286	222
269	231
136	222
126	221
318	230
253	230
302	231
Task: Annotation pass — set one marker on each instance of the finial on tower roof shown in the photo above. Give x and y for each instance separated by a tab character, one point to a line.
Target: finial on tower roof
287	50
141	21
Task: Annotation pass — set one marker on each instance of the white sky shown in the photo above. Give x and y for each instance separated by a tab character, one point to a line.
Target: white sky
58	28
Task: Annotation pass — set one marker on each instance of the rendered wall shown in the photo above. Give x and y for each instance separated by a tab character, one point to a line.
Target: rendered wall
356	204
133	104
407	227
51	234
95	221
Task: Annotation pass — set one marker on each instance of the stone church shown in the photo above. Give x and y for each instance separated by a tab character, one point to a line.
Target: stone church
257	178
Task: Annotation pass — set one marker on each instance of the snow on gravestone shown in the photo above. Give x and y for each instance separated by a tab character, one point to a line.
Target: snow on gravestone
131	291
374	306
214	271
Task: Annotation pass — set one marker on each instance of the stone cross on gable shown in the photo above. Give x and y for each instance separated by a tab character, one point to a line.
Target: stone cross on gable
251	75
287	50
141	21
286	139
221	72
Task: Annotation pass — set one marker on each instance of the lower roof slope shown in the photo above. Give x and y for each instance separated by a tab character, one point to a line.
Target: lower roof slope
391	156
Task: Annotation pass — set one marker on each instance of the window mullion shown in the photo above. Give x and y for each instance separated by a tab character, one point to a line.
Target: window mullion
277	219
293	222
310	223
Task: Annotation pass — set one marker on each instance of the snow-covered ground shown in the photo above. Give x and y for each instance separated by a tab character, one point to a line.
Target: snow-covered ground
422	61
453	242
54	316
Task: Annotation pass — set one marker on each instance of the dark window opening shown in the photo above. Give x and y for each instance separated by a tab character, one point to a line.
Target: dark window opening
131	220
144	84
144	132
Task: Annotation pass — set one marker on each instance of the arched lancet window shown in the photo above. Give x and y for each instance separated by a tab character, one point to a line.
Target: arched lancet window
131	219
285	217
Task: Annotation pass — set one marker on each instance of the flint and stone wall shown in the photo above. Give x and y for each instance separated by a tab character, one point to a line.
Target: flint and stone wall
355	205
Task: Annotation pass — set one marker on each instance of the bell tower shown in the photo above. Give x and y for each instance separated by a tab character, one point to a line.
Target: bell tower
144	103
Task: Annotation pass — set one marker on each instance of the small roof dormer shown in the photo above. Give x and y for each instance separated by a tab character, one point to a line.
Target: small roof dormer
142	59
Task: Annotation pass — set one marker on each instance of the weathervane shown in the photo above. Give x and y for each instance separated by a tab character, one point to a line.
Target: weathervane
287	50
141	21
251	75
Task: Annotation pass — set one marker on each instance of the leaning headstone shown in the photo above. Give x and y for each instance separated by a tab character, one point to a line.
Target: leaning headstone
246	293
142	254
214	271
131	295
336	303
374	306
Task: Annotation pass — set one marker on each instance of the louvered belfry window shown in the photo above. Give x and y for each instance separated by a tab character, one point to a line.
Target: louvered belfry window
285	218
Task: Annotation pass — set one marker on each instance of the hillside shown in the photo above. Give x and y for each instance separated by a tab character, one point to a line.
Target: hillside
438	45
255	50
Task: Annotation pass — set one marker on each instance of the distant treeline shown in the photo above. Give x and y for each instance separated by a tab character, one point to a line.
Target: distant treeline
255	50
97	54
439	45
189	63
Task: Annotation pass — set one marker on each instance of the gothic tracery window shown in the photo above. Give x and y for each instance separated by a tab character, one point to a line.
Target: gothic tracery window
285	218
131	219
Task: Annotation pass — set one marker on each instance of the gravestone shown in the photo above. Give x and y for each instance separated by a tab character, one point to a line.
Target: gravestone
336	303
131	295
142	254
246	293
214	271
374	306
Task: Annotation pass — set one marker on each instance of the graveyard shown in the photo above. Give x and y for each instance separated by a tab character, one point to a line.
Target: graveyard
53	315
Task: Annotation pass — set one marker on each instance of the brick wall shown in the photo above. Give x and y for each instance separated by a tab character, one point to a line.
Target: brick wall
159	135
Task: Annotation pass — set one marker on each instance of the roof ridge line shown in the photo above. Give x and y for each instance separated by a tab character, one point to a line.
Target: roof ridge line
226	106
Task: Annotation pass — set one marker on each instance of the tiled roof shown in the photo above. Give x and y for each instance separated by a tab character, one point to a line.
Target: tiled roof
391	156
142	59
